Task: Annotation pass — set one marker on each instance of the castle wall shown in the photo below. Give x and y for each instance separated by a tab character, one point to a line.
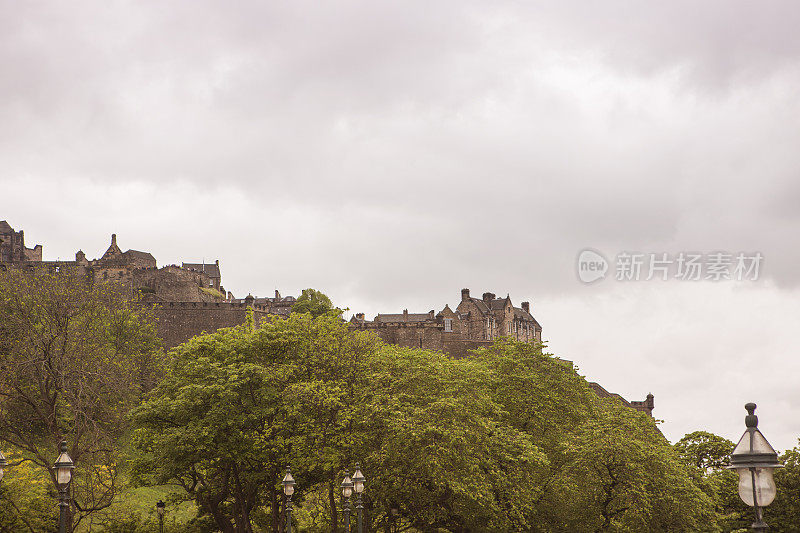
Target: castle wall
177	322
33	254
172	283
428	335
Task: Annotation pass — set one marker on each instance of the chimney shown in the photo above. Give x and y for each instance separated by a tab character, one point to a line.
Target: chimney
113	239
277	295
360	316
217	262
488	296
464	294
405	315
526	306
432	313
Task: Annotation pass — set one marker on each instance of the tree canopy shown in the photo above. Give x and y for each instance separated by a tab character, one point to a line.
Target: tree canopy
508	439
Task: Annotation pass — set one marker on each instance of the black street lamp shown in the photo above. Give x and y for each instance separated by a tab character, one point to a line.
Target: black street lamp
347	491
288	489
358	486
63	467
161	507
754	459
394	513
3	464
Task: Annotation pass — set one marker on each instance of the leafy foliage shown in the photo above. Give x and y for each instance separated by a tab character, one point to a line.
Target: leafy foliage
313	302
705	450
509	439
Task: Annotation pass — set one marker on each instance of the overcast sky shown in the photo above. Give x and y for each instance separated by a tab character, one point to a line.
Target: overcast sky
392	153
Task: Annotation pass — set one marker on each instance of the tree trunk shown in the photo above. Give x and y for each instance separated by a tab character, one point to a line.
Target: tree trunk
275	504
332	500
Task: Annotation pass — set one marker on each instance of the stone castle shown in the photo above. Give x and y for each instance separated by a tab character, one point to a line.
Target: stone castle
475	322
190	299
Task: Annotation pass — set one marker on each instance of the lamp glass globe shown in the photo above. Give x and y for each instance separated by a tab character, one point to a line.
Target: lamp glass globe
764	483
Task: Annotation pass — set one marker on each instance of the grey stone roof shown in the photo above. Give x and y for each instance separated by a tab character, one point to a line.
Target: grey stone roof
4	227
520	313
112	251
136	254
499	303
481	305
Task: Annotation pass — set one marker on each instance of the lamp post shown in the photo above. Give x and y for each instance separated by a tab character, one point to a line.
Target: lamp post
394	512
358	487
288	489
3	464
160	508
63	467
754	459
347	491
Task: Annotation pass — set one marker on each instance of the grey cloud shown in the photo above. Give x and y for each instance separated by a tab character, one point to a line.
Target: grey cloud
393	153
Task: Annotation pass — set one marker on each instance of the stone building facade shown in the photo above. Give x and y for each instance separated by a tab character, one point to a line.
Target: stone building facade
12	246
277	305
211	271
475	322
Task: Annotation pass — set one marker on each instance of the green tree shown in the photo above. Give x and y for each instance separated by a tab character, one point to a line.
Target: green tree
313	302
208	427
74	357
609	468
707	455
621	474
441	452
240	404
705	450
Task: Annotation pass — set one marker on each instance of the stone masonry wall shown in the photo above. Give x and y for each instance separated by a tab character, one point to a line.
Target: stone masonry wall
177	322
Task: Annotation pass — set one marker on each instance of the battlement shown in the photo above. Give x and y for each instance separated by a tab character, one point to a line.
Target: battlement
202	305
213	305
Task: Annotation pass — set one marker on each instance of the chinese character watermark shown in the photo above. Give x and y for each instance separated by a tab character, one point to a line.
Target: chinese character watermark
684	266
